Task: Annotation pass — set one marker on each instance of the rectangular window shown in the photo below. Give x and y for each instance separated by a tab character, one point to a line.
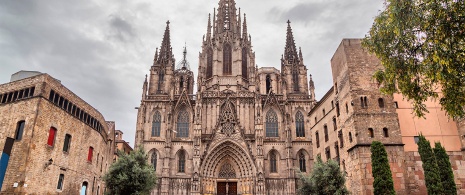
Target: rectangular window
32	91
19	130
56	99
52	93
15	95
51	136
89	155
20	95
67	143
60	182
328	153
61	101
326	133
65	104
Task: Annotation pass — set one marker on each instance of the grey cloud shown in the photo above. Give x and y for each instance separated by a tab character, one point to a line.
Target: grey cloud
101	49
121	29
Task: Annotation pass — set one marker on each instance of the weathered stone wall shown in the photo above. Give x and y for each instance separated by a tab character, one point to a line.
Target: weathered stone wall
35	165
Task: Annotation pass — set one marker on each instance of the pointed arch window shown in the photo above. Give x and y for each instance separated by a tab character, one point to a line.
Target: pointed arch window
295	79
209	63
181	83
271	124
156	124
273	167
227	59
268	83
182	162
153	160
161	78
299	124
244	63
182	127
302	163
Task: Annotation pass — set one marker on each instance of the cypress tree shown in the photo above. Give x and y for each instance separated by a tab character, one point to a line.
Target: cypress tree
446	174
381	171
430	167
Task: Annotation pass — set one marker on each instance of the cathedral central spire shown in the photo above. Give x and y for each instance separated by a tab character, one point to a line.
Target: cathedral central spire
226	17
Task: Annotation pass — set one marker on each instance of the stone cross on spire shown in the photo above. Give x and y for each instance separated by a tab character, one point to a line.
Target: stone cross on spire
290	51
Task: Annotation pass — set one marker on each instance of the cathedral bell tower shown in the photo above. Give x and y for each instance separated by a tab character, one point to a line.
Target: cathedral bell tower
163	66
293	70
227	60
183	76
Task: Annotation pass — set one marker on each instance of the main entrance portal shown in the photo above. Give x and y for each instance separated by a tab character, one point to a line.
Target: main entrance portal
226	188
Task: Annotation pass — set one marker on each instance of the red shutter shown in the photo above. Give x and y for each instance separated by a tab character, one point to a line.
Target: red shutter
89	156
51	136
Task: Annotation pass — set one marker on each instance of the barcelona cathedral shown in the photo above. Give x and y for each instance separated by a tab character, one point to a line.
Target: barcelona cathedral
252	130
243	130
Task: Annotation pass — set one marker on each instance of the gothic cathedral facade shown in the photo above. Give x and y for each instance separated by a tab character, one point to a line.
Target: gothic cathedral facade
244	130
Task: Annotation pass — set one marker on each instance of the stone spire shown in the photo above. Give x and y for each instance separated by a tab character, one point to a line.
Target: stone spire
183	64
214	23
244	28
144	88
155	58
239	22
301	58
312	88
226	18
165	50
290	52
209	29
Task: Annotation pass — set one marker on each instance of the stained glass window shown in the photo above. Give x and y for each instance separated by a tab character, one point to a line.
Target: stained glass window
182	128
303	167
182	162
209	63
271	124
244	63
227	59
153	160
161	78
156	124
273	167
299	124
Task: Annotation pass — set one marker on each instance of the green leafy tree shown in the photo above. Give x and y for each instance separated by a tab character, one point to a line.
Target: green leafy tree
430	167
447	176
421	45
131	174
381	171
326	178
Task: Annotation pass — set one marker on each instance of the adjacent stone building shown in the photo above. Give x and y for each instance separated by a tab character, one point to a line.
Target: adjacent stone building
53	142
353	113
121	145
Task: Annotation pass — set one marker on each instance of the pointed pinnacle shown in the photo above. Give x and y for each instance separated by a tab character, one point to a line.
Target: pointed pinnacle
209	28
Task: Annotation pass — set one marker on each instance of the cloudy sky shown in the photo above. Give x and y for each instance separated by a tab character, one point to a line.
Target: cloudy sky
101	49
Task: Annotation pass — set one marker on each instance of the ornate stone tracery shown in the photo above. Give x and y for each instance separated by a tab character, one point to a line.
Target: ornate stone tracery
227	171
228	118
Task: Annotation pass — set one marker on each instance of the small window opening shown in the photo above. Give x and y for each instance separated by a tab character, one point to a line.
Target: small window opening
385	132
371	132
381	102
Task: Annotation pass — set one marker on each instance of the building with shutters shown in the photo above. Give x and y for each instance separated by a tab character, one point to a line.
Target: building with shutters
51	140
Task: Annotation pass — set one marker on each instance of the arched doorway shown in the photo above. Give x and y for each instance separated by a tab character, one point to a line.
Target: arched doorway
228	170
227	180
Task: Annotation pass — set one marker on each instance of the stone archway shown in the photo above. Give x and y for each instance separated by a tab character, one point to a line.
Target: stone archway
229	164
